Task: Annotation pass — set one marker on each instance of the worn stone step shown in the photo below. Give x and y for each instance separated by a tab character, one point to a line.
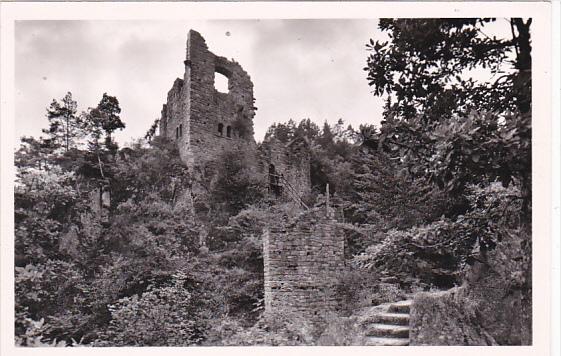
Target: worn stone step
390	318
403	306
386	341
385	330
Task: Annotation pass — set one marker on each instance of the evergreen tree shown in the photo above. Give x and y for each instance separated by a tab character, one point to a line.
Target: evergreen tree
100	121
65	127
104	120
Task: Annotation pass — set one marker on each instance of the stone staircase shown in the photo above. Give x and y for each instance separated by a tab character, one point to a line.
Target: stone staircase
389	328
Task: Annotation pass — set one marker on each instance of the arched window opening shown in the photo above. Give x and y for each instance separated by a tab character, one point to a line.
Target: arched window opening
176	133
221	82
228	131
180	130
220	129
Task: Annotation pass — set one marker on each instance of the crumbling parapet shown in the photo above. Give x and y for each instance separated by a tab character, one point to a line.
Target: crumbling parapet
303	258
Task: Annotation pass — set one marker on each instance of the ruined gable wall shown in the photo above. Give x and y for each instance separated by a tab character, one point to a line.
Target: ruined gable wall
298	174
208	108
302	259
195	109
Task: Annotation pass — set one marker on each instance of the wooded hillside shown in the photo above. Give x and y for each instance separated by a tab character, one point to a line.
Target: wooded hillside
111	251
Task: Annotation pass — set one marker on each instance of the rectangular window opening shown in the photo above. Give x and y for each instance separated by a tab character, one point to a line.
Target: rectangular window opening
221	83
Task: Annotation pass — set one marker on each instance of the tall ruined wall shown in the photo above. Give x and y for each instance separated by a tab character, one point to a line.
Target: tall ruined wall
204	121
302	258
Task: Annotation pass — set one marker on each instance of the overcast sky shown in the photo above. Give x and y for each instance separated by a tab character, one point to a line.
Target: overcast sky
300	68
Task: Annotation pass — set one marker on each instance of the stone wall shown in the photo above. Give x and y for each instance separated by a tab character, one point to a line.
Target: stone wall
204	121
291	161
303	256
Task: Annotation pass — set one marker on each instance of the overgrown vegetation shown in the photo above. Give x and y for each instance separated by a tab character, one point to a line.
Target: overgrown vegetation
442	185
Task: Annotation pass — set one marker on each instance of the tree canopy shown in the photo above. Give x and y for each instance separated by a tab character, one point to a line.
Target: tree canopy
439	119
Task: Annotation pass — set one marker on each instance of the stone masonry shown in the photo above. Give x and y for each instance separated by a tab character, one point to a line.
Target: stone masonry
287	166
302	256
203	121
302	259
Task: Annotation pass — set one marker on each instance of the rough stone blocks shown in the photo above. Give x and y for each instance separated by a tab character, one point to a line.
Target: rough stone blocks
302	260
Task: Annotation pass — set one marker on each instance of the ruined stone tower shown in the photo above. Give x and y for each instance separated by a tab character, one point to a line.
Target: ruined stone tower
203	121
303	256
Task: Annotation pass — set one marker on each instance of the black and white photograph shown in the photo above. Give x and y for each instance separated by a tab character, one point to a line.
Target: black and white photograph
274	182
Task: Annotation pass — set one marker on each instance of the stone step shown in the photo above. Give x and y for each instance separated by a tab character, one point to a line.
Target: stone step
385	330
385	341
389	318
403	306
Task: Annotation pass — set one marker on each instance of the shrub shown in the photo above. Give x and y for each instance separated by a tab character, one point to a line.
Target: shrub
279	328
162	316
340	331
437	253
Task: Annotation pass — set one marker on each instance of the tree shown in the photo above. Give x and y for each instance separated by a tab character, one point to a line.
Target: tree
382	194
65	127
308	129
436	110
472	138
141	171
104	119
326	139
236	185
34	153
423	66
282	132
109	110
152	130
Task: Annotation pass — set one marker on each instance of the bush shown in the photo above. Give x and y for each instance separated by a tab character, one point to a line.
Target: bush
449	318
235	185
356	288
340	331
277	329
162	316
438	253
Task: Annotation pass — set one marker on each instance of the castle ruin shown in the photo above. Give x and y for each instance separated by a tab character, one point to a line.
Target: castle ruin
301	256
205	122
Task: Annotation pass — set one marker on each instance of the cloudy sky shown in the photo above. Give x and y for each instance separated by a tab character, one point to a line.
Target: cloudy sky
300	68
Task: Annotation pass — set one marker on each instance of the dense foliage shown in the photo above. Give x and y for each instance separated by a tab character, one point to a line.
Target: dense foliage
109	251
129	247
